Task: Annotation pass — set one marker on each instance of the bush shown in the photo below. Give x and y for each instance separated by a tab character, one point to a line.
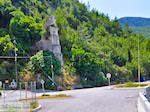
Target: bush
130	84
45	95
34	104
99	80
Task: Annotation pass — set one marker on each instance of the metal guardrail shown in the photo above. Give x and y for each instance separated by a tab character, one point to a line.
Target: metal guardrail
143	103
15	107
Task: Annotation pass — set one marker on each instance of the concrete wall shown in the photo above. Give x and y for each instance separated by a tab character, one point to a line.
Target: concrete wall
143	103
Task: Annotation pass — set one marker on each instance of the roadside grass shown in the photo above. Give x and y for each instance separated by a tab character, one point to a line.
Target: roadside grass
47	96
34	104
1	91
131	85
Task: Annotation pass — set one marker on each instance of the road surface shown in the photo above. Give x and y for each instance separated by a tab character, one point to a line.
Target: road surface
102	99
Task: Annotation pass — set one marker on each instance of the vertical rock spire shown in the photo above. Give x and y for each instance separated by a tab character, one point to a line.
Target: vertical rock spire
54	37
51	41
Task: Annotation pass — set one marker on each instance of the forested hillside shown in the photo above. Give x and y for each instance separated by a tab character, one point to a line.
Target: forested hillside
92	44
144	30
135	21
137	24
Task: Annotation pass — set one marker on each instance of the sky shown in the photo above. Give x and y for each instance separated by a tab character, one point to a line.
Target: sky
121	8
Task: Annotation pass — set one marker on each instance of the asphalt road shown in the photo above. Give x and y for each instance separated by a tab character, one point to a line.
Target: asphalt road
104	99
94	100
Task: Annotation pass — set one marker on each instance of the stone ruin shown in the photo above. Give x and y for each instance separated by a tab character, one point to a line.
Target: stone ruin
51	41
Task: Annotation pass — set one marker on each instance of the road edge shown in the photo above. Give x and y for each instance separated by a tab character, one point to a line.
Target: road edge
143	103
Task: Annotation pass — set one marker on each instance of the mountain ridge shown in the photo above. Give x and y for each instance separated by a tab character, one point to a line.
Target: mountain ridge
135	21
140	25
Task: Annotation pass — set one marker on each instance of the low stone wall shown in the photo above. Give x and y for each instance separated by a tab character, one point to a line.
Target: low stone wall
143	103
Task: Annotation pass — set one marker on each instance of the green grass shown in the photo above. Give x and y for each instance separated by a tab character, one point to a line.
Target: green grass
34	104
131	85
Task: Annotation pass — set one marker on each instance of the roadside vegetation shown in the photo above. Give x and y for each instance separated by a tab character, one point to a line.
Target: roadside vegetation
34	104
47	96
131	85
92	44
1	91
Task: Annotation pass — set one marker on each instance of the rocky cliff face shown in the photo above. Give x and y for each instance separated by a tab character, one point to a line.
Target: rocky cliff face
51	41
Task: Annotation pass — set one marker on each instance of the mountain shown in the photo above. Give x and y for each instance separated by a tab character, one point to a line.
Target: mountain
138	24
135	21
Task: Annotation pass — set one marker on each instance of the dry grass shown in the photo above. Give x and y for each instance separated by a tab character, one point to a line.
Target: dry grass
47	96
131	85
34	104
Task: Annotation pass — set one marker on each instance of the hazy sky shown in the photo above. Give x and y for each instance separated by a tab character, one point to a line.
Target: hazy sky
122	8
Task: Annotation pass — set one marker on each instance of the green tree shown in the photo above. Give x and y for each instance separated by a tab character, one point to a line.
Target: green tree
43	61
87	65
25	28
6	46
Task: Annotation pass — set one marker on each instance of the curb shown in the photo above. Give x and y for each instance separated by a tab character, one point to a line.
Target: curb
130	87
143	103
37	109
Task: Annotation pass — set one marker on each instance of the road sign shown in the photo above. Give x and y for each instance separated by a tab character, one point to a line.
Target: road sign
6	81
108	75
42	81
13	84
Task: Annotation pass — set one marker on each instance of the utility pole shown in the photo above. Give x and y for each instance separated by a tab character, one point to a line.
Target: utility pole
139	71
16	69
52	73
108	75
20	89
52	69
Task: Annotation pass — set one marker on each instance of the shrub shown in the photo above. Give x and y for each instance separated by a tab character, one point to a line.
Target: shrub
34	104
45	95
130	84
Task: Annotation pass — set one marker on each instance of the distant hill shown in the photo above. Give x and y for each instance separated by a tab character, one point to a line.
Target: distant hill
138	24
135	21
144	30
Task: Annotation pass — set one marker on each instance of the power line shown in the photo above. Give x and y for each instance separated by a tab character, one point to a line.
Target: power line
13	57
19	57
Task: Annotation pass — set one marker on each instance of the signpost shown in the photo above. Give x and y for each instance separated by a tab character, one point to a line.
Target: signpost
108	77
31	88
4	92
34	84
13	84
20	89
42	82
26	88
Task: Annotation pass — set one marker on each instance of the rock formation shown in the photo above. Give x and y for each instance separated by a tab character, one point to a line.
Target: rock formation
51	41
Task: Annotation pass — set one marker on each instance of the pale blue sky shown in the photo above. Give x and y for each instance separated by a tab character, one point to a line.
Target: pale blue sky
122	8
